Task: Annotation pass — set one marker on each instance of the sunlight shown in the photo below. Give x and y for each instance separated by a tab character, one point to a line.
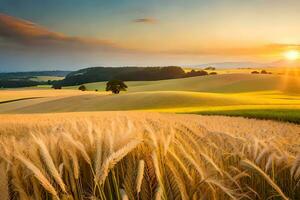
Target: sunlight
292	55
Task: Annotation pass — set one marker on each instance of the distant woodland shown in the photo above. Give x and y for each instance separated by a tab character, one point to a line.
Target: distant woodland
96	74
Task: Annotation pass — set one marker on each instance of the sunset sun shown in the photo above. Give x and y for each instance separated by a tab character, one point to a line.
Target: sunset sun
292	55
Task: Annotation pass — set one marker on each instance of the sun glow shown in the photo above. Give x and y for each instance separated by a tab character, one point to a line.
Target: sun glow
292	55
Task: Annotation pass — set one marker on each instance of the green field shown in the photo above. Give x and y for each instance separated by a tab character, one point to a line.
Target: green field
226	83
289	115
261	96
46	78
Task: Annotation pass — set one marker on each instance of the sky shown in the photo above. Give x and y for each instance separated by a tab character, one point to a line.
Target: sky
72	34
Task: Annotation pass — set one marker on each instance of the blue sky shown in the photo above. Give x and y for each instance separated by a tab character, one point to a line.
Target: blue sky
74	33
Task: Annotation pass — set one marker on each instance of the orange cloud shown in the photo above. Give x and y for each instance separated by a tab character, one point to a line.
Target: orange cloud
27	33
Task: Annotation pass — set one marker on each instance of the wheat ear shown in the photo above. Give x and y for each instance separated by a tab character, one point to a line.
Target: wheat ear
266	177
38	175
140	175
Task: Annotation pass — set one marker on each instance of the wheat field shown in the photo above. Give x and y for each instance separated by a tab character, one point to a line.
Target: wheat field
136	155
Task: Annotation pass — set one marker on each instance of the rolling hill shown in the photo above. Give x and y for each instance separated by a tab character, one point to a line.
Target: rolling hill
34	74
197	94
130	101
225	83
29	79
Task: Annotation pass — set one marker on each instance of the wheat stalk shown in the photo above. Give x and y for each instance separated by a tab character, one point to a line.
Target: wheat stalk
76	169
4	181
295	166
140	175
124	196
38	175
50	164
180	163
98	159
113	159
180	182
266	177
180	159
79	146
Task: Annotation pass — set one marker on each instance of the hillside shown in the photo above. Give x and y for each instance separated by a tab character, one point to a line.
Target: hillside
225	83
130	101
96	74
8	75
207	93
29	79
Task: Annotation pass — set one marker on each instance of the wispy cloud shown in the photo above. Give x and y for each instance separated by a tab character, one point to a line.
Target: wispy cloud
284	46
24	32
147	20
268	49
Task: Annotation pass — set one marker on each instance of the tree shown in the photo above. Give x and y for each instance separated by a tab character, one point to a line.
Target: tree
82	88
115	86
255	72
264	72
56	87
210	68
196	73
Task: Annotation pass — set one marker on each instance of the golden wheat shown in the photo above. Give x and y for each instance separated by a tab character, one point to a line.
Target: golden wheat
39	175
140	175
128	155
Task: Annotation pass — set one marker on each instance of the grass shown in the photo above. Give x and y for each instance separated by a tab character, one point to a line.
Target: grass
274	70
225	83
133	101
288	115
143	156
13	94
46	78
163	101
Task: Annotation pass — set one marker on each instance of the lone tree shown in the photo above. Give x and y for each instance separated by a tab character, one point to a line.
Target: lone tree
255	72
56	87
264	72
115	86
82	88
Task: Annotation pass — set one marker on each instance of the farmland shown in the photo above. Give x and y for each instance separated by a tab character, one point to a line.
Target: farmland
80	148
218	94
136	155
149	100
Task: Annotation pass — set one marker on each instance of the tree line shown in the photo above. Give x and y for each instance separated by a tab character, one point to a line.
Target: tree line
100	74
16	83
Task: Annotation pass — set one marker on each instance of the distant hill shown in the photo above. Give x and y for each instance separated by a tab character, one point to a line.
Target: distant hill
279	63
28	79
99	74
233	65
285	63
33	74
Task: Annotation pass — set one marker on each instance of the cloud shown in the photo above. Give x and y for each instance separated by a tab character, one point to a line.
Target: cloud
145	20
18	34
26	33
262	50
284	46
